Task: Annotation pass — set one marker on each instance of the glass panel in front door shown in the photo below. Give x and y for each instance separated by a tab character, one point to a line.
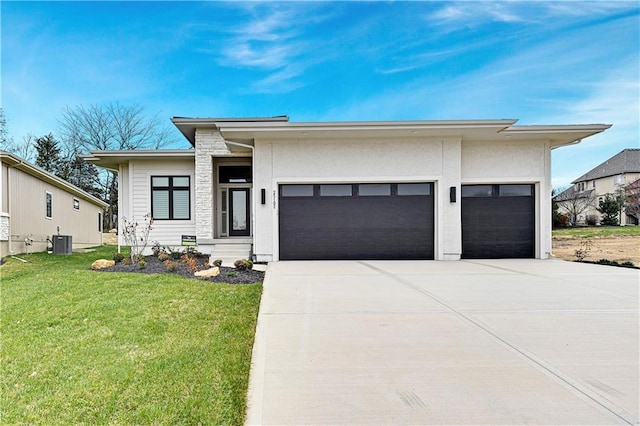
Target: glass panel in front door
239	217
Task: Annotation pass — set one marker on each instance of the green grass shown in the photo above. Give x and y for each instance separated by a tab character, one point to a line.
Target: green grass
86	347
597	231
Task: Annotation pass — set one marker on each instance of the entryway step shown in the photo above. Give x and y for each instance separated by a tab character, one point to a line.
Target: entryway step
230	251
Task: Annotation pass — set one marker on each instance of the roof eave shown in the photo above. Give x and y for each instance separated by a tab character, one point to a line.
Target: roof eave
558	135
35	171
187	126
111	160
251	131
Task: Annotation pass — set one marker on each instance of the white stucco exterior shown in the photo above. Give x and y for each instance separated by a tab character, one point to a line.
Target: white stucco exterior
355	160
448	154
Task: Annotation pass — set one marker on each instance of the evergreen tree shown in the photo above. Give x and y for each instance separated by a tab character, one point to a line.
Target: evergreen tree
4	133
48	154
609	208
83	175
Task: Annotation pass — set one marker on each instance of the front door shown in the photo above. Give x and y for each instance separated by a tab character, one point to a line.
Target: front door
239	212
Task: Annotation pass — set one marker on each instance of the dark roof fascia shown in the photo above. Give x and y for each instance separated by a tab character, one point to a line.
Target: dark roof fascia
21	164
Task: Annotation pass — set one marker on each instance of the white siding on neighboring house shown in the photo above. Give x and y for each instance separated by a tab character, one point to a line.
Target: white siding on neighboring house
167	232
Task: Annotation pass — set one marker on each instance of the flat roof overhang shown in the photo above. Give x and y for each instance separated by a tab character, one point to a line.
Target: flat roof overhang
470	130
558	135
187	126
237	131
111	160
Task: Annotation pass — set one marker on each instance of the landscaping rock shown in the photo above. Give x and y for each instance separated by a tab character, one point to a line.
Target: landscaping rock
207	273
102	263
155	266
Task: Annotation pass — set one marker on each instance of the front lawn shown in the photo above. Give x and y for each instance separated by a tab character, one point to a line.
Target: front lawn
85	347
596	231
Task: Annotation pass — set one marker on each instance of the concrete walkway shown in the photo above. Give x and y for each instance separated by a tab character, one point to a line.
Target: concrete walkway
469	342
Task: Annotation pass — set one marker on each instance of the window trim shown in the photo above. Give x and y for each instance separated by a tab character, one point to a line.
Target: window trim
48	205
170	188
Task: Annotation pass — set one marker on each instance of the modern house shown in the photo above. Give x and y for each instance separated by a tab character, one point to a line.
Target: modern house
35	206
610	177
280	190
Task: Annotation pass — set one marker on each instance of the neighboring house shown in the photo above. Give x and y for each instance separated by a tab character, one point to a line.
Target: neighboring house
611	177
278	190
36	205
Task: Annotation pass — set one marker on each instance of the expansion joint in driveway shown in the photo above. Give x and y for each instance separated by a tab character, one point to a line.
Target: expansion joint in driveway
535	361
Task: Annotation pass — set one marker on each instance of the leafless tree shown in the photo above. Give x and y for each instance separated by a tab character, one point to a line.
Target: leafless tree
23	149
575	202
111	127
632	198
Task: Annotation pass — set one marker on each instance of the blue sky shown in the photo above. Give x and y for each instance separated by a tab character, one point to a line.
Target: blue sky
544	62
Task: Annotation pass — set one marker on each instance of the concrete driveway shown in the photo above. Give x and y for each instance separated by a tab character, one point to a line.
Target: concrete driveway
424	342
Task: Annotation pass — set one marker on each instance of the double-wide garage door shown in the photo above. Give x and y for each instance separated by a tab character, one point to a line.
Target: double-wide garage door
356	221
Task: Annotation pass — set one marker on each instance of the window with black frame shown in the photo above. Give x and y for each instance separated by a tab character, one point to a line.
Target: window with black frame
170	197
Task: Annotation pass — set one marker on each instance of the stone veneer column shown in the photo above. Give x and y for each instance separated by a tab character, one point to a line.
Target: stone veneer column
209	143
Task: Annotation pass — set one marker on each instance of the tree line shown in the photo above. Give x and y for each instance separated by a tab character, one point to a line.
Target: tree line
82	129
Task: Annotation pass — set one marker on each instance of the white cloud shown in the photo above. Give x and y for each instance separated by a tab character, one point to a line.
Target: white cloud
474	13
274	40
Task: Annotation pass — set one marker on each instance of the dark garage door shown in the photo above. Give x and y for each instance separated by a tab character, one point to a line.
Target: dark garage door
498	221
356	221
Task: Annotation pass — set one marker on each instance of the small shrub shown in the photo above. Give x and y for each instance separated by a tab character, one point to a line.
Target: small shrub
243	264
191	262
217	262
171	266
591	219
162	256
192	252
126	261
584	250
156	248
232	274
142	263
118	257
137	258
628	264
175	255
137	239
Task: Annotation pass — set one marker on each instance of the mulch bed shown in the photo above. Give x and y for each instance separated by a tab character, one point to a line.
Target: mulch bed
155	266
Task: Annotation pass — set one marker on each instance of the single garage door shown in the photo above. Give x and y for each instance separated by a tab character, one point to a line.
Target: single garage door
356	221
498	221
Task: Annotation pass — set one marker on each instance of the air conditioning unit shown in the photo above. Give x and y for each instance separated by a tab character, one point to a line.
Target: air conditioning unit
62	244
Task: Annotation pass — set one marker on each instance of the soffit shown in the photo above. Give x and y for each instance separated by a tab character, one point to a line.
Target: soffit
478	129
112	159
